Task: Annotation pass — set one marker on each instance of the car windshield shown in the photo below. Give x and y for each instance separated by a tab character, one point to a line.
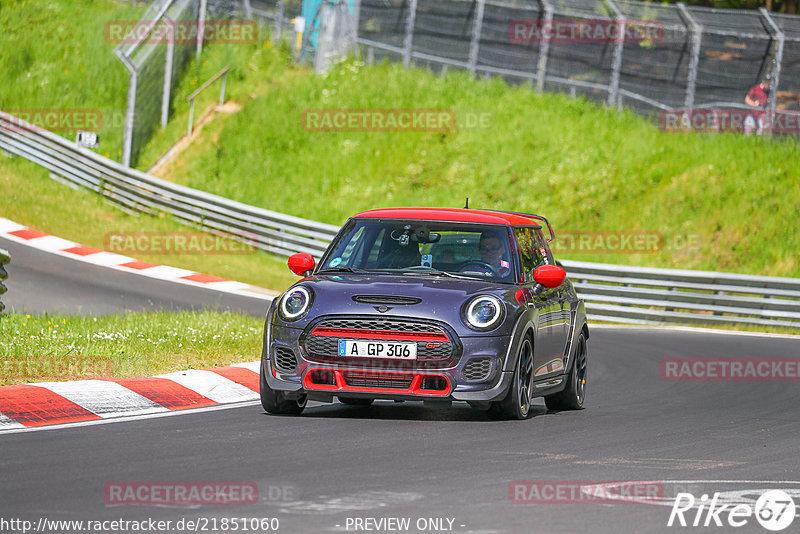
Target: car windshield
422	247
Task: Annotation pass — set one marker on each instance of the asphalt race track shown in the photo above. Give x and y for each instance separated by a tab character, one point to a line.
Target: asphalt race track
43	282
336	464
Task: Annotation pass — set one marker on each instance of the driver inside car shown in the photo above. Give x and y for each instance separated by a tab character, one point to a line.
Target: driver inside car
494	252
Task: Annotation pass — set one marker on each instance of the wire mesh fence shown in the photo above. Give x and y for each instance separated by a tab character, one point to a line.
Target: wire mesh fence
653	58
670	62
155	51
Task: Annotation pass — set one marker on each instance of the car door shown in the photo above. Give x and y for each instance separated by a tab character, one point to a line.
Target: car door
562	314
546	348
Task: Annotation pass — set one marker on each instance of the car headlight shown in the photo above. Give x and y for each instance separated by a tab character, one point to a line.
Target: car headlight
483	312
295	303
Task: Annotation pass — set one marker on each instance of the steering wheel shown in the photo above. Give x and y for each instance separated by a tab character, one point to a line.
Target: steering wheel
482	264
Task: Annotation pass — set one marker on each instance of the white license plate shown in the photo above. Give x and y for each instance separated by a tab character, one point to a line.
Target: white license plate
377	349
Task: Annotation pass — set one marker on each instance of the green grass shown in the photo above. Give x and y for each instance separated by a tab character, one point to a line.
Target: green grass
62	347
57	58
585	167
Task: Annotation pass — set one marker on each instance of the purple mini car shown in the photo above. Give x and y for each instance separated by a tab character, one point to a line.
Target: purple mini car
429	304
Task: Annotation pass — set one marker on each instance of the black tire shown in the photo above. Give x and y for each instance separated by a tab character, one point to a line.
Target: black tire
517	402
573	395
274	401
356	401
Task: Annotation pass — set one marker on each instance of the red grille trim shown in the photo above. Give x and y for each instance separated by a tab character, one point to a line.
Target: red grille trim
378	334
341	384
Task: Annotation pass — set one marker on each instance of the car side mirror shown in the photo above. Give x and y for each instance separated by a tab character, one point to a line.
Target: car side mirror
301	264
549	275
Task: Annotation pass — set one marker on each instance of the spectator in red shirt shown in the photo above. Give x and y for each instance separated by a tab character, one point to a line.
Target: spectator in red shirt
758	97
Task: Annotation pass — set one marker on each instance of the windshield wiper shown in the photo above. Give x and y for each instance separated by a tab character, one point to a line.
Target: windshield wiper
437	272
340	270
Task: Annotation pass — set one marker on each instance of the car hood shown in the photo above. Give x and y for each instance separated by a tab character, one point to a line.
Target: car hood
440	298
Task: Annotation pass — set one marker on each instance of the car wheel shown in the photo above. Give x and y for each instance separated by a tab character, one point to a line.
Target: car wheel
572	397
356	402
274	401
517	402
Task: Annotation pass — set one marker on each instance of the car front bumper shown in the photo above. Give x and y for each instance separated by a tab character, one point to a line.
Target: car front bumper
386	379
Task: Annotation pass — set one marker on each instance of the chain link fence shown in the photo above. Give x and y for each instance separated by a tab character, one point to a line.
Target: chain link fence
652	58
646	56
155	65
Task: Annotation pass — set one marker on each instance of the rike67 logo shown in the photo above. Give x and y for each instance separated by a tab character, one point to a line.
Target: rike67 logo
774	510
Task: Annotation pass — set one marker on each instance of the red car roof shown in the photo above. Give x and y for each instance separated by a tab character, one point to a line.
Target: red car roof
450	214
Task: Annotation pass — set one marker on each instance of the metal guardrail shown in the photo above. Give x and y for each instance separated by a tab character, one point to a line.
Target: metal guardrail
612	292
137	191
5	258
640	295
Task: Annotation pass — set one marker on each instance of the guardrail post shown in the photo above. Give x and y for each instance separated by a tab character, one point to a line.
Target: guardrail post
475	43
613	86
696	31
776	74
4	259
409	39
544	47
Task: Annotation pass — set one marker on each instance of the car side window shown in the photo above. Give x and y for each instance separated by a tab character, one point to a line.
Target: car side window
545	248
529	245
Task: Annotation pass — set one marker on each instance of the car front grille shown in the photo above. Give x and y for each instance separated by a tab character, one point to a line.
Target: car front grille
437	347
285	360
477	369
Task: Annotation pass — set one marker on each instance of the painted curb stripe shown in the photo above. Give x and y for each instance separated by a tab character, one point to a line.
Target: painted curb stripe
35	406
165	393
138	265
8	424
106	399
211	385
253	366
82	250
28	233
203	278
244	377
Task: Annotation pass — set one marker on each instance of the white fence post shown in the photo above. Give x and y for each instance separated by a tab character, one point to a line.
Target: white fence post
475	43
409	39
544	47
613	86
696	31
